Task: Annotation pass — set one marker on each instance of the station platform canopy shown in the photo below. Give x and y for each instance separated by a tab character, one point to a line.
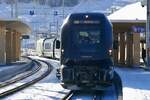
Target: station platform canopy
129	27
11	31
17	25
131	15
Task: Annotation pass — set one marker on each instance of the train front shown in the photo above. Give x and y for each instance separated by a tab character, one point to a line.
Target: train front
86	39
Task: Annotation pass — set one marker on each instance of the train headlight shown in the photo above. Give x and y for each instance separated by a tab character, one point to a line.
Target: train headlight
86	16
62	50
110	52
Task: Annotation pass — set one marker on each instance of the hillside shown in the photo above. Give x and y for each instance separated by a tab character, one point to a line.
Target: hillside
44	17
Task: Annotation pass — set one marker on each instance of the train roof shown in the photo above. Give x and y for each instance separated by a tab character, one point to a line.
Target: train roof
86	18
50	38
80	16
88	13
40	39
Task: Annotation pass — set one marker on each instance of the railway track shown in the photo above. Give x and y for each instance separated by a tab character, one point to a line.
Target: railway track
90	95
68	95
18	84
21	76
98	95
112	93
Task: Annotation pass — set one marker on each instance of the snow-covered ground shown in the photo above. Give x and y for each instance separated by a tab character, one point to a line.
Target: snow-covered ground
47	89
136	83
11	70
136	86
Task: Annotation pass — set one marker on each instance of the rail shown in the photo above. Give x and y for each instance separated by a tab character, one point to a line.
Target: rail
27	84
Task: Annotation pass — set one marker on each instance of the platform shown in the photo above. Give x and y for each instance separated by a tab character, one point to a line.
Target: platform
8	71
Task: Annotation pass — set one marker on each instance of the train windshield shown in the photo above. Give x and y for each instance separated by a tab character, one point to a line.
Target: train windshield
89	36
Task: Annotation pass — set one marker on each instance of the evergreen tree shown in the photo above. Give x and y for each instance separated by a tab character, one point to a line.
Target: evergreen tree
42	2
70	2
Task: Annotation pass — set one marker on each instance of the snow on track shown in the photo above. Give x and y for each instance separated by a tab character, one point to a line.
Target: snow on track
46	89
136	86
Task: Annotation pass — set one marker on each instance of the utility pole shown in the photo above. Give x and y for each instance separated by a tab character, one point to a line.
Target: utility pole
63	4
148	34
16	8
12	9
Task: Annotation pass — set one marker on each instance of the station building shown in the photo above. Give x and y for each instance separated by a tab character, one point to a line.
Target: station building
129	29
11	32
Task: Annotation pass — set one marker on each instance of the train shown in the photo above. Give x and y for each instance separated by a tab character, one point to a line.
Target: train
47	48
85	52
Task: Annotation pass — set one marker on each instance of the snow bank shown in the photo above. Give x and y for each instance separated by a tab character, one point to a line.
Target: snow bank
136	84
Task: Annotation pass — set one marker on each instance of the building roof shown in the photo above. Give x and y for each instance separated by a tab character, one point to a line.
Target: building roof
130	13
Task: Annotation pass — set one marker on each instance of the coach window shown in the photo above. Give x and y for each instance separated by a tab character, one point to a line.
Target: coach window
47	46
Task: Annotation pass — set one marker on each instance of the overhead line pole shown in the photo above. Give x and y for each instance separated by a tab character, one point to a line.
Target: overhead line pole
16	8
63	4
148	34
12	10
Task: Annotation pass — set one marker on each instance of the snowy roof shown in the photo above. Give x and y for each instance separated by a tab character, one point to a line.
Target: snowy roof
133	12
16	25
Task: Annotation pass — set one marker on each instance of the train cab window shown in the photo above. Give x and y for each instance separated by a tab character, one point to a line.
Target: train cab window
89	36
57	44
